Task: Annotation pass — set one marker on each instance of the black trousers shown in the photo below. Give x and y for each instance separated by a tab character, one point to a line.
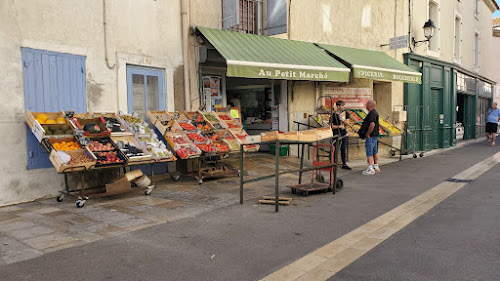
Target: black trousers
343	147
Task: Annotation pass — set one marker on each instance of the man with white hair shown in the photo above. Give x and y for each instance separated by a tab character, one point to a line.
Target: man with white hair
492	123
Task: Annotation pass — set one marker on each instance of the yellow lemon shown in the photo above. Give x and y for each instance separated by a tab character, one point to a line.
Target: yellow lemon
40	121
61	120
50	121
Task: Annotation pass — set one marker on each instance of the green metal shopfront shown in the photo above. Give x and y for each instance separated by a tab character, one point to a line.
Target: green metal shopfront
446	96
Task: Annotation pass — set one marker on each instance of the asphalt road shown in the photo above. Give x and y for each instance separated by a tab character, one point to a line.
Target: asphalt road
459	238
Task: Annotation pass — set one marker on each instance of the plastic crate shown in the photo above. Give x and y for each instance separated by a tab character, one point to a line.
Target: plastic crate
283	149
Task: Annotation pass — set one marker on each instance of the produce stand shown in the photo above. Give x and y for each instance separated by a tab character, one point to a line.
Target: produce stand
278	139
202	136
97	141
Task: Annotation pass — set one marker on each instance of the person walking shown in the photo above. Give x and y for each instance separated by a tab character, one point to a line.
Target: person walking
492	123
338	121
369	131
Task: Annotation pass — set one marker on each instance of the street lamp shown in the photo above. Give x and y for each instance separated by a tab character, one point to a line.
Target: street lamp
429	28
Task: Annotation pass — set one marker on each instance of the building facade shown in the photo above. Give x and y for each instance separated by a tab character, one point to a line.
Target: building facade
495	66
109	56
81	56
457	72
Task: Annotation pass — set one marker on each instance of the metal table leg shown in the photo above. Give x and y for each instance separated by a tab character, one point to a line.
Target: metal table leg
152	174
241	174
301	163
276	171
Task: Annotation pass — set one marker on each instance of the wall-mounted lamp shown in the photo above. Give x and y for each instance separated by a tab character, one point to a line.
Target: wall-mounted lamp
429	28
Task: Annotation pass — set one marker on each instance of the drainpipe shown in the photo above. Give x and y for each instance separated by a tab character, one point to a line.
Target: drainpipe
185	53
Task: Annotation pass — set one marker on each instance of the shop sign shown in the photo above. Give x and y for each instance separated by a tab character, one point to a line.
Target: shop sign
288	74
353	97
212	92
386	75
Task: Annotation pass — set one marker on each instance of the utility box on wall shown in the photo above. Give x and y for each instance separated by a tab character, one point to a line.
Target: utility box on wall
399	116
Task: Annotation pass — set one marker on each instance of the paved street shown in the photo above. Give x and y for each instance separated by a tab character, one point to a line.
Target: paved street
455	240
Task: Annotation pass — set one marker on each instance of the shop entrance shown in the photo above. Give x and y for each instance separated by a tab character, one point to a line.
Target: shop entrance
436	102
466	114
259	103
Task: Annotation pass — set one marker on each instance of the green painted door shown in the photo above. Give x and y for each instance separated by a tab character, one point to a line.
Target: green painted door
434	118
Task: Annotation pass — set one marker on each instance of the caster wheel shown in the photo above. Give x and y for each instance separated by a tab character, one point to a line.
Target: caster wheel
200	181
176	178
80	204
59	199
393	153
421	154
294	190
340	185
320	179
148	191
414	155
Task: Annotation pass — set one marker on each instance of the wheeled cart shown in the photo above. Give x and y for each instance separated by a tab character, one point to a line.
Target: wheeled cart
319	184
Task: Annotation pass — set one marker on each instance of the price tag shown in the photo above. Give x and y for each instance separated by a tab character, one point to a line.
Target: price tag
38	131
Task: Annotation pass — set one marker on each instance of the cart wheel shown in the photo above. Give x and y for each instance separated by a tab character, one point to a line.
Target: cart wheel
148	191
305	193
200	181
294	190
320	178
59	198
80	204
414	155
421	154
340	185
176	178
393	153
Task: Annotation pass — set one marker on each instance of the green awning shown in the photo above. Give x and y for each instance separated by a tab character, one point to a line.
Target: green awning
255	56
374	65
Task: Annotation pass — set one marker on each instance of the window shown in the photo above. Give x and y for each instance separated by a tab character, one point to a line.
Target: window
476	50
458	38
52	82
434	16
145	89
244	15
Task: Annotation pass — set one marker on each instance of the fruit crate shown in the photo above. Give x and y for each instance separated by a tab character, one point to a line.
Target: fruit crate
241	136
207	148
31	120
324	133
232	125
356	115
61	167
177	138
187	151
222	146
108	146
229	138
389	127
308	135
55	141
114	123
131	141
158	116
186	125
80	123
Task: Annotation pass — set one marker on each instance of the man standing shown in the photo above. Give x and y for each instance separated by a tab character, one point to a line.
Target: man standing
492	123
369	130
338	123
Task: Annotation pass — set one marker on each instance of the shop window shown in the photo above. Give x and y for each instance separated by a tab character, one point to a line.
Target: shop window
458	38
243	15
52	82
434	16
145	89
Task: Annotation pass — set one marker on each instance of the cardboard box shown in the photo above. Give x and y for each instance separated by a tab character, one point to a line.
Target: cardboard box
121	185
269	136
132	175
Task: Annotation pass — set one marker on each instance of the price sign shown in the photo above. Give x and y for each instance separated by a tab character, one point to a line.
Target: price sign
38	131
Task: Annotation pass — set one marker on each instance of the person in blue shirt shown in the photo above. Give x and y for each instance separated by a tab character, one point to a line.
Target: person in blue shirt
492	123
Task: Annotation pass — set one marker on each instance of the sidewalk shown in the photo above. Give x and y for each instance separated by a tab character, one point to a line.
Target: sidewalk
32	229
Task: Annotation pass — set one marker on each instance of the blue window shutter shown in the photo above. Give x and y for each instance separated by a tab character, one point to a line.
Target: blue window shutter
276	17
230	13
52	81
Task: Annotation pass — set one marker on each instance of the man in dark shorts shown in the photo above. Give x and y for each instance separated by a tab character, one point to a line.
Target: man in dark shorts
338	121
369	131
492	123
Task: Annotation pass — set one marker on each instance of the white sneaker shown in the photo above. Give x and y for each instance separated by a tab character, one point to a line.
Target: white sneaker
369	172
377	169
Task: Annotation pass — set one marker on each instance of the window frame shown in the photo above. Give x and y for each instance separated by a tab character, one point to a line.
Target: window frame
146	71
458	59
437	52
